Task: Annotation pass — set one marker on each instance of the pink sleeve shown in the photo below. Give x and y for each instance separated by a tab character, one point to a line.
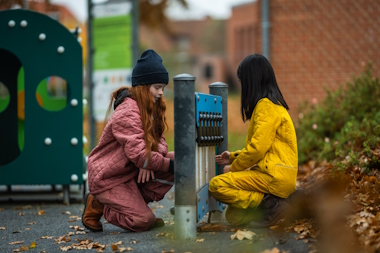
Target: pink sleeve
127	129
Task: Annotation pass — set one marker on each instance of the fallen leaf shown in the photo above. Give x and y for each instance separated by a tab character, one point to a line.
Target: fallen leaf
16	232
114	233
200	240
23	248
27	207
114	247
16	242
2	228
118	243
41	212
65	248
32	223
27	229
133	241
67	212
125	249
80	232
33	245
274	250
47	237
274	227
70	233
21	214
240	235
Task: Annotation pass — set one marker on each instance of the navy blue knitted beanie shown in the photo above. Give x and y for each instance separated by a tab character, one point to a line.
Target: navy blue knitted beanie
149	69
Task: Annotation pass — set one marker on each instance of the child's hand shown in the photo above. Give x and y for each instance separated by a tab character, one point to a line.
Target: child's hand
144	175
226	169
223	158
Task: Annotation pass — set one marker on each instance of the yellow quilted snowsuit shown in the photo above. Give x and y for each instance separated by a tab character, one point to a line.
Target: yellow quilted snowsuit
267	164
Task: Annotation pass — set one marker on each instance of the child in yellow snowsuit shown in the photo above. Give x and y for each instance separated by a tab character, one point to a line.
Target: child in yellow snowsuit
263	174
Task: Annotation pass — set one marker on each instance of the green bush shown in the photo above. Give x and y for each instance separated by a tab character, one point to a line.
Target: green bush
345	127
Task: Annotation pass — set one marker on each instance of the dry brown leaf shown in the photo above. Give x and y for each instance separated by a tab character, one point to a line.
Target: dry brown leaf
133	241
65	248
274	250
70	233
2	228
21	214
125	249
41	212
33	245
27	229
23	248
240	235
67	212
274	227
16	242
118	243
114	247
80	232
32	223
47	237
200	240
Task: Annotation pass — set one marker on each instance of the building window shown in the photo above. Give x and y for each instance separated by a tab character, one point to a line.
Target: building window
208	71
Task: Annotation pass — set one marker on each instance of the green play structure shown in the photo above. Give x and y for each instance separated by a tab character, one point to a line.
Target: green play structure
40	130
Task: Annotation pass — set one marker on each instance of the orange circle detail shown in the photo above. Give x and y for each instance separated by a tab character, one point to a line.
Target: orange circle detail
21	103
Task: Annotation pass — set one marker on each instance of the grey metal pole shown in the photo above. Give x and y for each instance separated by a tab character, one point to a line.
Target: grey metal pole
90	81
265	24
221	89
25	4
184	164
135	30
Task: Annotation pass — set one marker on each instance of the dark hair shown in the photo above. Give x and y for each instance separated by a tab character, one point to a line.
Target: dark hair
257	81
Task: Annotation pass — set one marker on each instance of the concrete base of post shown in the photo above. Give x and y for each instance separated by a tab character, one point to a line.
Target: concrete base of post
185	222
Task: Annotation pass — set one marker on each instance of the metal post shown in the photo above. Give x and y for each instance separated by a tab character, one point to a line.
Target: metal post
135	30
221	89
184	164
90	82
25	4
265	24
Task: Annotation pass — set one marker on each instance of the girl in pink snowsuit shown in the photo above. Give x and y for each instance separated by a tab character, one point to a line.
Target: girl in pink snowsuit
131	153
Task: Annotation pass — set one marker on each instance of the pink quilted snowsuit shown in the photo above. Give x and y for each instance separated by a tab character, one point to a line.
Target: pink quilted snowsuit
113	167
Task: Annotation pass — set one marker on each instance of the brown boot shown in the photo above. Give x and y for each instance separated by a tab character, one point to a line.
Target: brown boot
274	209
92	212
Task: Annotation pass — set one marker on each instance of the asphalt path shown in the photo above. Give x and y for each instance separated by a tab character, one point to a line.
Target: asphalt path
46	222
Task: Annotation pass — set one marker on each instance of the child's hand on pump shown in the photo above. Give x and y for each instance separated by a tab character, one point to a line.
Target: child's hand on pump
223	158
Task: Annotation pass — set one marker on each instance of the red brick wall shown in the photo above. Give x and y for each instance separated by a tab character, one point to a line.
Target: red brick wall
317	43
241	35
313	43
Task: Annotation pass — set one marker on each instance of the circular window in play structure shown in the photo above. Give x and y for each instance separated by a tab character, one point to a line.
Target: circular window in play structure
4	97
51	93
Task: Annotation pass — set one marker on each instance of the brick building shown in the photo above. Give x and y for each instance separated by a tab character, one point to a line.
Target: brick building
196	47
313	43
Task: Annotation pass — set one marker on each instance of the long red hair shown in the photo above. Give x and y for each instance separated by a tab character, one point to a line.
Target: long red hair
152	114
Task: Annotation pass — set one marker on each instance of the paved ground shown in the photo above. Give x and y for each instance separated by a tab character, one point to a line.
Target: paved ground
44	222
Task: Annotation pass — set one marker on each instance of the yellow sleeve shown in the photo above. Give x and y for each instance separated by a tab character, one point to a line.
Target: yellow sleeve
266	121
233	155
